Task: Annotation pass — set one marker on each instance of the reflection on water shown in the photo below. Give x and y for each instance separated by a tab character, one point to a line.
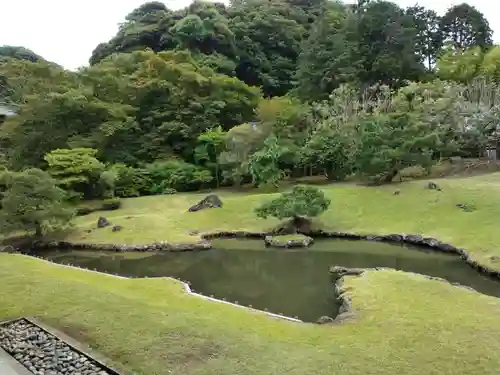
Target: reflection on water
291	282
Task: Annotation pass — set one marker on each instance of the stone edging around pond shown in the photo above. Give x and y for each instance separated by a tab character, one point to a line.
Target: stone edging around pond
345	310
161	246
122	248
185	285
411	239
273	241
417	240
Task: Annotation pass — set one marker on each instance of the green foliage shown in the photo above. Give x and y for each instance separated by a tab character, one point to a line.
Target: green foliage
330	56
73	119
19	53
110	204
178	175
33	203
268	41
211	144
264	166
463	26
256	91
331	148
390	142
392	59
490	66
429	38
76	170
460	66
301	201
131	182
22	79
107	182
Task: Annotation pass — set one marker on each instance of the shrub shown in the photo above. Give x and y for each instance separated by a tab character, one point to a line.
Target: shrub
84	210
169	191
300	202
178	175
131	182
106	205
111	204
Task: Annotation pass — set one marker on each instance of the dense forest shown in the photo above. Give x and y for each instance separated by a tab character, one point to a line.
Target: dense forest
254	92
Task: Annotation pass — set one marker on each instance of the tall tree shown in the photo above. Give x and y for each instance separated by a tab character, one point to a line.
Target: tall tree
145	27
330	56
429	37
204	29
387	39
464	26
268	41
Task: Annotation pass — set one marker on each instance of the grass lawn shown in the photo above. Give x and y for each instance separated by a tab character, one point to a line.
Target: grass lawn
404	324
415	210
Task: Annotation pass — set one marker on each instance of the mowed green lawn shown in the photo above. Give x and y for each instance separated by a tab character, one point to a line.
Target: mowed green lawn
416	210
404	324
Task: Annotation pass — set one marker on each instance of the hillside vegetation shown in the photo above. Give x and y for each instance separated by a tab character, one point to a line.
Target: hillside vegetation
255	92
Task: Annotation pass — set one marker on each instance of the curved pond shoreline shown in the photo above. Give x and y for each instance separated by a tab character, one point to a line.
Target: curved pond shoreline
344	298
185	286
204	244
346	310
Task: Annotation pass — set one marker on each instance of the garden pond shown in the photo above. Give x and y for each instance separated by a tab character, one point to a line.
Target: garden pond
295	283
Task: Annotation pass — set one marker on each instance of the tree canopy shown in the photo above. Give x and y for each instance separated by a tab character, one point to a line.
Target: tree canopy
300	202
255	92
32	202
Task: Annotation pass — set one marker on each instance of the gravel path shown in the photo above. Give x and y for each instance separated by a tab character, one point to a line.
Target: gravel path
44	354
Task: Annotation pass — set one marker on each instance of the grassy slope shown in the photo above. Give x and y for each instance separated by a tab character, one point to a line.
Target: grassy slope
403	325
354	208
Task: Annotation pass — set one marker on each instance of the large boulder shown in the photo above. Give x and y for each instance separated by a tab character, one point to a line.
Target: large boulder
210	201
103	222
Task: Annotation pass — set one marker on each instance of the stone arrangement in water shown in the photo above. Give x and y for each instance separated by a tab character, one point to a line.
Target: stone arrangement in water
43	353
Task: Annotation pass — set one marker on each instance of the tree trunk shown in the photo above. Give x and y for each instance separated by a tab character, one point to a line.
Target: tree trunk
390	176
217	174
38	230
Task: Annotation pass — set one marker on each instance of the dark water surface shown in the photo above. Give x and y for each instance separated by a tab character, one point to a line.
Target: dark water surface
291	282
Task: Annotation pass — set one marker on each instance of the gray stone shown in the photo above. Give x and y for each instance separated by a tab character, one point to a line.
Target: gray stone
210	201
42	353
276	242
325	320
103	222
116	228
433	186
340	271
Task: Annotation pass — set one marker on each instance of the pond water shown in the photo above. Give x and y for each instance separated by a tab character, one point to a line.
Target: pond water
295	283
